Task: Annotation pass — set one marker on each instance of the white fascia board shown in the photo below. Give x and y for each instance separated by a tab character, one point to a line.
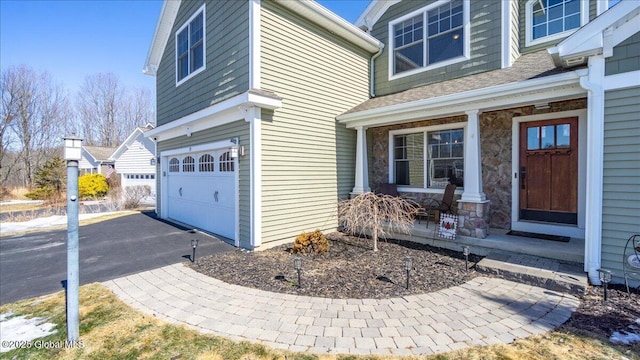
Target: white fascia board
559	87
588	40
373	12
219	114
334	23
161	36
116	154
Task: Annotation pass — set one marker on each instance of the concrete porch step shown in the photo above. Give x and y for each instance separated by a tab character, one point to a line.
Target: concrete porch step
547	273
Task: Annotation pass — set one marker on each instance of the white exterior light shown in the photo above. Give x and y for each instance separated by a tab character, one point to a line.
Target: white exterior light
72	148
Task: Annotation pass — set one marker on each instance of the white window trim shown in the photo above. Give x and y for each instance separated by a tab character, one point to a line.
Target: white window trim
584	18
423	129
202	10
466	46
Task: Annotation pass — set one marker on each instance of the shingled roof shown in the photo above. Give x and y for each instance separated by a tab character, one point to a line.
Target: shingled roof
100	153
530	66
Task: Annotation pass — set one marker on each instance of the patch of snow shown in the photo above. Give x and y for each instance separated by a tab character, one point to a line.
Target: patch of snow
629	336
15	202
20	329
40	223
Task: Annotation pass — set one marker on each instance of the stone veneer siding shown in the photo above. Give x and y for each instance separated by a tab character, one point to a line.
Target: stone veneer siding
495	142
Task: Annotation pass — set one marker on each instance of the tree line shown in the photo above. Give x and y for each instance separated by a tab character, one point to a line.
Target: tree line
36	112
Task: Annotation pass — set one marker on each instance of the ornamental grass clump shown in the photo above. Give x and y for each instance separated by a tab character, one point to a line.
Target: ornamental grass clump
311	243
376	215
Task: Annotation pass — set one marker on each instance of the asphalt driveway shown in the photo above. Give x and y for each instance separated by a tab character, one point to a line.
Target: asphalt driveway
35	264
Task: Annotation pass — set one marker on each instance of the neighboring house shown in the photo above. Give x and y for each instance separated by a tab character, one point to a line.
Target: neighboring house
484	94
135	160
95	159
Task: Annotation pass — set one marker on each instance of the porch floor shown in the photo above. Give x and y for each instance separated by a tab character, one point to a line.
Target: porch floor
499	241
549	264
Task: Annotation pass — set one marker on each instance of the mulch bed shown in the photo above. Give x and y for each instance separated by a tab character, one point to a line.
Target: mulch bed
352	270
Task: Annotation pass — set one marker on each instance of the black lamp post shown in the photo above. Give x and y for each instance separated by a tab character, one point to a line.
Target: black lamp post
408	263
465	252
605	277
297	264
194	245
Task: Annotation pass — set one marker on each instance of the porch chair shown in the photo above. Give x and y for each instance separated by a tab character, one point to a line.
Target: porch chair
433	207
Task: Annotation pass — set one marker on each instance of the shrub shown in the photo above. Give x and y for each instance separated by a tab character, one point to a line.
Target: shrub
311	243
133	195
92	186
50	181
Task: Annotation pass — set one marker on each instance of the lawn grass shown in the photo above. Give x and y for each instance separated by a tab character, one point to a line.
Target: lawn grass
110	329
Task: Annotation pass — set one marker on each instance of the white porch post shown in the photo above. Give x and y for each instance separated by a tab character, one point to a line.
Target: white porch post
362	168
472	161
595	155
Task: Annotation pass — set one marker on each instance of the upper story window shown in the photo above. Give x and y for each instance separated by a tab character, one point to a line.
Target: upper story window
428	158
190	47
548	20
442	41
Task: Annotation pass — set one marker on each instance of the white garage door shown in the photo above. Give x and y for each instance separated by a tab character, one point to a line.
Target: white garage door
201	191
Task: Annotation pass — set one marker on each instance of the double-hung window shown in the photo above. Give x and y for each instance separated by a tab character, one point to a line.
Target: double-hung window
430	37
190	47
428	158
548	20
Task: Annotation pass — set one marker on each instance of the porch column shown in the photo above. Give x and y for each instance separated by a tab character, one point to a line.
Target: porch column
595	155
472	161
362	168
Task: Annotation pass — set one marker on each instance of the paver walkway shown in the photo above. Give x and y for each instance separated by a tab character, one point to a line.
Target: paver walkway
480	312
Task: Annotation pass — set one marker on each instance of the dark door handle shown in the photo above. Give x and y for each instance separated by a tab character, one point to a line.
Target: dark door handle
523	177
215	195
180	191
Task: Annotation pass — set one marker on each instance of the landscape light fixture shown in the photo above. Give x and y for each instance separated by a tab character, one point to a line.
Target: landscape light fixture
605	277
297	264
465	252
194	245
408	264
73	155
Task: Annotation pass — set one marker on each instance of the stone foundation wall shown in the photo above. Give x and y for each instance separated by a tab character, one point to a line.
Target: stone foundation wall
473	219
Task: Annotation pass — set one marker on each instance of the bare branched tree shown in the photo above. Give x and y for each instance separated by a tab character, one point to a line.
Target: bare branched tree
34	111
108	112
377	215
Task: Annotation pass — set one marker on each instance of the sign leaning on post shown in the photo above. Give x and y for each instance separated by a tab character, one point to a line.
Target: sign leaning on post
72	154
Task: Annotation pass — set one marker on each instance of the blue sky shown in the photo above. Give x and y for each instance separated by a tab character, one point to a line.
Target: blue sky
73	39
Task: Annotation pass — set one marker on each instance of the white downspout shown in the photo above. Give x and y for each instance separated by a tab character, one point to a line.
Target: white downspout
372	76
592	82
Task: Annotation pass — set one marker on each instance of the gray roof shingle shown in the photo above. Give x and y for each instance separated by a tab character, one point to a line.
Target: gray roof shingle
529	66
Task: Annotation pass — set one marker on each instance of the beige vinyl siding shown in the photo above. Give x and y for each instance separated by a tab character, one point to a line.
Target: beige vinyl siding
485	47
239	129
621	180
227	61
626	57
514	41
308	158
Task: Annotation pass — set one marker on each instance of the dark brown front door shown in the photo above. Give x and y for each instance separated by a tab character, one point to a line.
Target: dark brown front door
549	171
